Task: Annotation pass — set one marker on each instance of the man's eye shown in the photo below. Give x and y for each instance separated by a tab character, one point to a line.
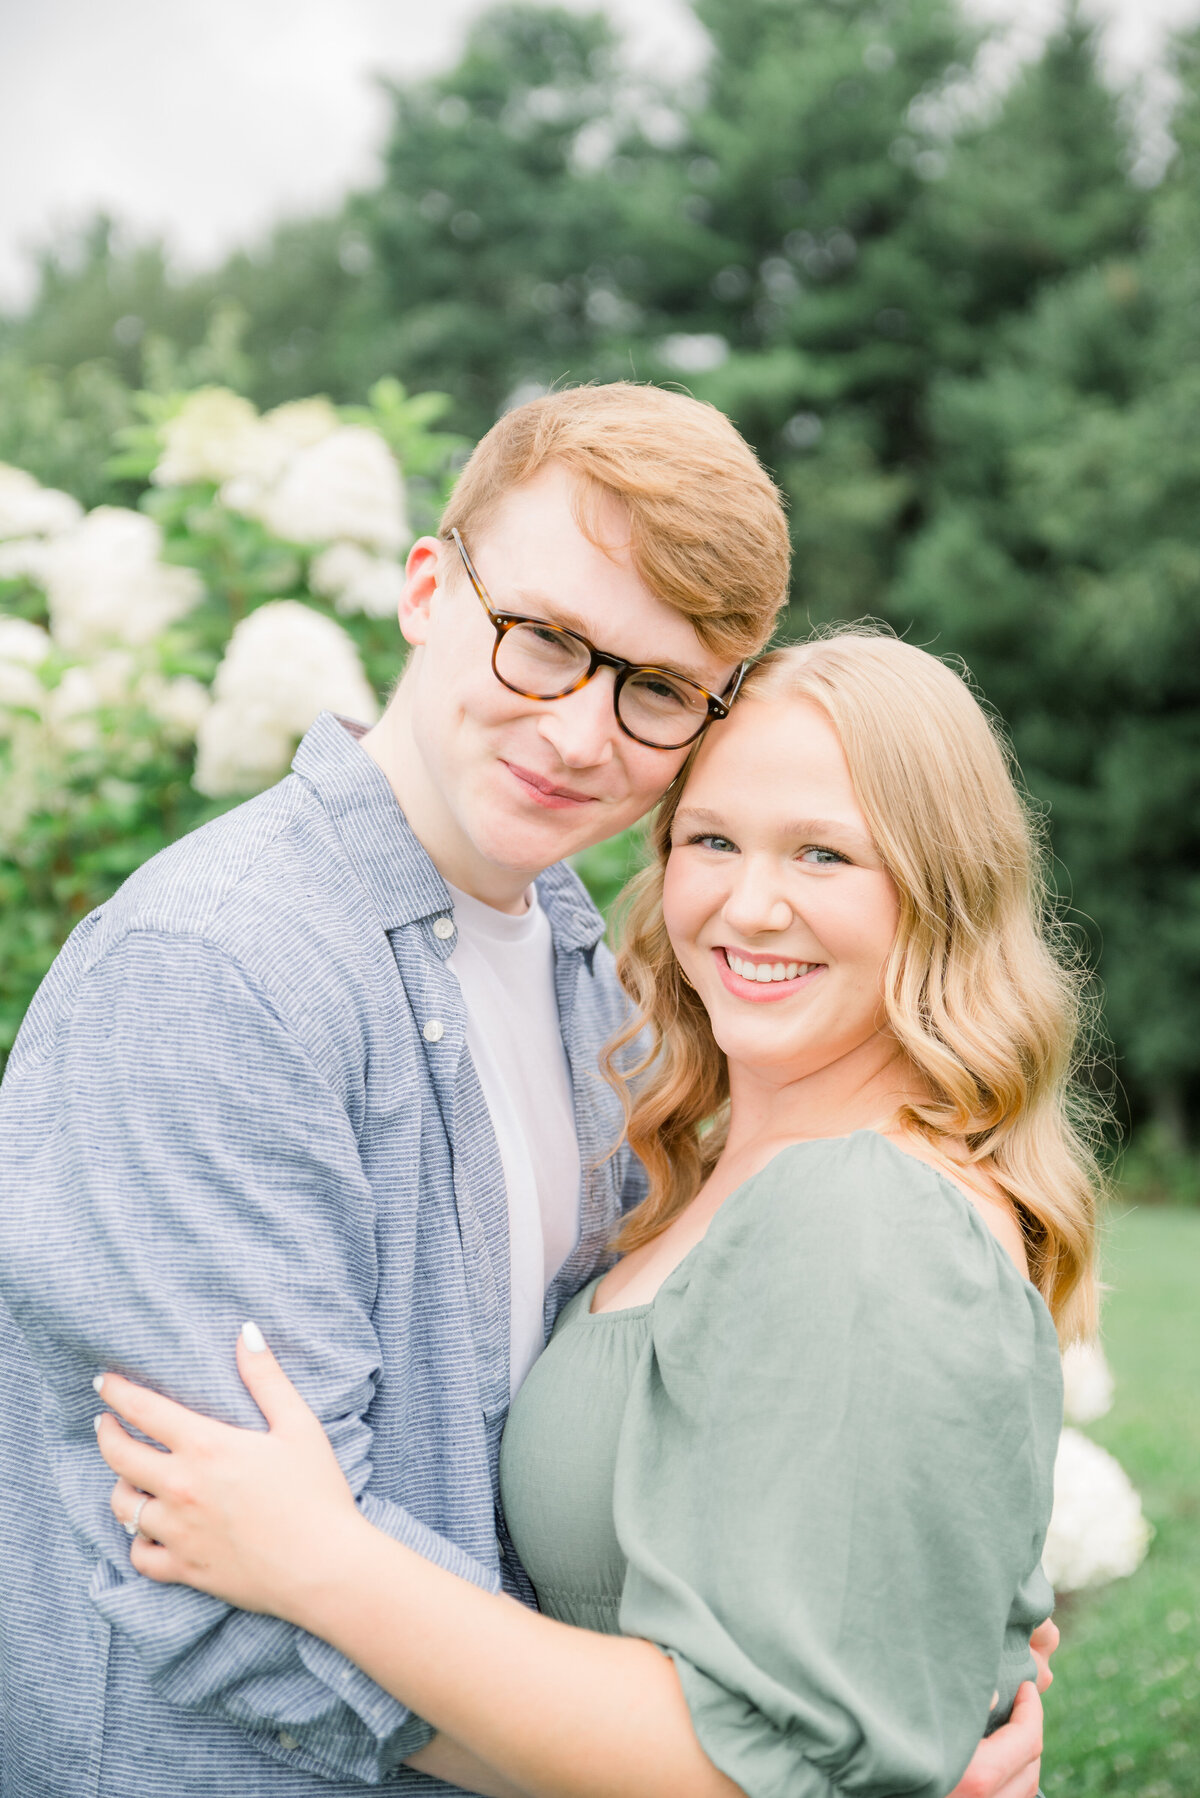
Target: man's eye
546	637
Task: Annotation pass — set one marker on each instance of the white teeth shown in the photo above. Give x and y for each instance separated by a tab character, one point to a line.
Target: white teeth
766	971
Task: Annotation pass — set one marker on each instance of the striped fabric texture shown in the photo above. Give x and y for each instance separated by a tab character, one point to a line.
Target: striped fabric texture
242	1092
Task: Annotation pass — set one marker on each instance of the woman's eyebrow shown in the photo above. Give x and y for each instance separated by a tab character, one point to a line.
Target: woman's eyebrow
826	827
799	829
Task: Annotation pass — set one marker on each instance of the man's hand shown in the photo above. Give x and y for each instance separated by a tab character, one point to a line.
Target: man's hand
1008	1763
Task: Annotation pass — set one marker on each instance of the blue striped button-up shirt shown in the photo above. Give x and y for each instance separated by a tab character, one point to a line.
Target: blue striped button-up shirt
242	1092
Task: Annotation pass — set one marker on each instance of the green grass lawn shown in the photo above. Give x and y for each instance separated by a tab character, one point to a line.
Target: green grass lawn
1123	1715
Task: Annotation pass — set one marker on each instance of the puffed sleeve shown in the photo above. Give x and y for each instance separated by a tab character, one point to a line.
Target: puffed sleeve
835	1474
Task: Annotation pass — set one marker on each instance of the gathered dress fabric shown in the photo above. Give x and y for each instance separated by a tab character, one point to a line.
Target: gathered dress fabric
817	1471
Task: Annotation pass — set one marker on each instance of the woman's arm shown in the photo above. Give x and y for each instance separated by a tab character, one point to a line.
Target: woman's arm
561	1712
455	1765
555	1712
525	1707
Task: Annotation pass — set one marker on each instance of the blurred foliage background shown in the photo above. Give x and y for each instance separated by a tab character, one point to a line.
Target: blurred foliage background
959	327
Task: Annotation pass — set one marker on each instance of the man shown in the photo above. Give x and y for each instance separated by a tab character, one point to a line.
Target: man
331	1063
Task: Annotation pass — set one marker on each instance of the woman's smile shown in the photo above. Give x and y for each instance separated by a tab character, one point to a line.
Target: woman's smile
758	977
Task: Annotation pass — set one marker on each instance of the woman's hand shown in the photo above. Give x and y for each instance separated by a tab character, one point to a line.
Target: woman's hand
1043	1643
248	1515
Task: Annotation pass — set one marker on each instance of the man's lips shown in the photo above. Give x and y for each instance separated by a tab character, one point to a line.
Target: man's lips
764	991
544	792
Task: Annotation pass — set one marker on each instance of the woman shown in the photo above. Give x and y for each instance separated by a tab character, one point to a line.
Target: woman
801	1436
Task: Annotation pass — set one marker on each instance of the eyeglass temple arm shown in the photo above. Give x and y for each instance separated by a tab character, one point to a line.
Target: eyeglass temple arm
735	686
480	590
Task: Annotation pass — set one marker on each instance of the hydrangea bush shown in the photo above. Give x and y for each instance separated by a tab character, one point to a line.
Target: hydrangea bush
159	664
1097	1531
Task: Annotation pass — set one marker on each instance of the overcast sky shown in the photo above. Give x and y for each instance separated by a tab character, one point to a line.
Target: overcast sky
204	122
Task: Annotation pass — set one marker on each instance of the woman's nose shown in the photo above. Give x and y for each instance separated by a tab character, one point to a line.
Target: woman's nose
757	901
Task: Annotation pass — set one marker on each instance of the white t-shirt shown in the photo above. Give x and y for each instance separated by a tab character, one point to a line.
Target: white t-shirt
505	967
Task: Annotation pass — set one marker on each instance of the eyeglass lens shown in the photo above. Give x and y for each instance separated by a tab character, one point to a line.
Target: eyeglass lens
545	663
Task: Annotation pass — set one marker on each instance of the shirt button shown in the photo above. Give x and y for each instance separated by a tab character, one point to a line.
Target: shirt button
287	1742
434	1031
443	928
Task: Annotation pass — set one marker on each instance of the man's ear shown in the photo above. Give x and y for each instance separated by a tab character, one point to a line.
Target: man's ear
420	585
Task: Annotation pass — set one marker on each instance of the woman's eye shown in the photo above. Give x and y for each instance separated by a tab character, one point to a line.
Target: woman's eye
817	857
722	845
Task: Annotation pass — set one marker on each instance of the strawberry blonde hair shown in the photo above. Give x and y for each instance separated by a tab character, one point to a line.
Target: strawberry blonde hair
980	991
707	532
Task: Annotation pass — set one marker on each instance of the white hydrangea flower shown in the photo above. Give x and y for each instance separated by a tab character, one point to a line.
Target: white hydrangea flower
23	649
1087	1383
283	665
85	690
346	485
25	558
27	509
217	436
239	751
1097	1532
180	705
104	582
301	423
27	782
283	434
357	581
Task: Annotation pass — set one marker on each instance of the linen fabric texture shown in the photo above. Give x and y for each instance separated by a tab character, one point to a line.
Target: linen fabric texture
242	1092
817	1471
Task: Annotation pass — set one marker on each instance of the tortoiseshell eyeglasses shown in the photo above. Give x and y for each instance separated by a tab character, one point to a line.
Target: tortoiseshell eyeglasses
654	706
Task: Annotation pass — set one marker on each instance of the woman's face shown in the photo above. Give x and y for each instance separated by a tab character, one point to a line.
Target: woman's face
776	901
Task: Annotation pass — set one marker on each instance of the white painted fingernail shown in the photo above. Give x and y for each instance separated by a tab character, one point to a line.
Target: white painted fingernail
253	1338
98	1383
96	1422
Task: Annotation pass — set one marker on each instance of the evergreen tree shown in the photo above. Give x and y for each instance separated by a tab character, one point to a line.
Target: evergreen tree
870	239
488	231
1063	560
97	299
804	186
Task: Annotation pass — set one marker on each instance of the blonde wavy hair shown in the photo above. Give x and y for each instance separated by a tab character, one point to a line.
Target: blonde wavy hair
982	992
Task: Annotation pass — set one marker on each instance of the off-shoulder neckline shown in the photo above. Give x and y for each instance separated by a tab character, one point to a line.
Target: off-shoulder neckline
808	1142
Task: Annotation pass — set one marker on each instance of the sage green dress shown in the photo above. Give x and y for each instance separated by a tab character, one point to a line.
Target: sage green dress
817	1471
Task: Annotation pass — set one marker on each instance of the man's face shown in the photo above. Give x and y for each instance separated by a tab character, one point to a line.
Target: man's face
511	783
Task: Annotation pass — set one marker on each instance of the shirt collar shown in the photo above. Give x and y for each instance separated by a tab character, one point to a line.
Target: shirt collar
399	877
394	867
574	921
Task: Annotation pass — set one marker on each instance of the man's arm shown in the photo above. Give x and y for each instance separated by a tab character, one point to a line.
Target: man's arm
175	1164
